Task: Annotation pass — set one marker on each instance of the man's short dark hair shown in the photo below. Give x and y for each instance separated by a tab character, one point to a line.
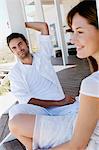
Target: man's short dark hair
16	35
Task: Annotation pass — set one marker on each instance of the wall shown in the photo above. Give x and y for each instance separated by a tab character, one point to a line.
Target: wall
51	18
4	26
68	4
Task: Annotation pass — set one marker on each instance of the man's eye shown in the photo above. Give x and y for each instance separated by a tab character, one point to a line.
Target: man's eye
80	32
20	43
14	48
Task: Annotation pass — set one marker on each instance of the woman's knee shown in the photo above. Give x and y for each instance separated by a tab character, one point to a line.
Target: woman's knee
14	124
18	124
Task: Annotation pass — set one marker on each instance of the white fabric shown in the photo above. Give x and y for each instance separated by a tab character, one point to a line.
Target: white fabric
25	84
37	110
90	85
94	140
52	131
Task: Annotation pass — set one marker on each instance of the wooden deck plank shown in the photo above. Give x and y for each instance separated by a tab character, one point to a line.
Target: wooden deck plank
71	78
14	145
4	126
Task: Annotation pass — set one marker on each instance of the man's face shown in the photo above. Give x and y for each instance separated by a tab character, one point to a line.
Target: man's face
19	48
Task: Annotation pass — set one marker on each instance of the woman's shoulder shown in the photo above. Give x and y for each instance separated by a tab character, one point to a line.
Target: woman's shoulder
94	77
90	85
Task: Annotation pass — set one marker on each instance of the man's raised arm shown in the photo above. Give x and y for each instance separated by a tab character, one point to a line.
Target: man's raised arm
38	26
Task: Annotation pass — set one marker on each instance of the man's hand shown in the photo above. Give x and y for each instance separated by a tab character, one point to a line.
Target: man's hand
69	100
50	103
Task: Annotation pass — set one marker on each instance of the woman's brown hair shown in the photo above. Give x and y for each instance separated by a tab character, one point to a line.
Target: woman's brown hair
88	10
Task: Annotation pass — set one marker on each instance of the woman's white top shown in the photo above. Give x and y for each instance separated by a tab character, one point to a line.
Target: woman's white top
90	85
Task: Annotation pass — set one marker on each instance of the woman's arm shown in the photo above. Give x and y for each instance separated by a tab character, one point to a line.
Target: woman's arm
86	122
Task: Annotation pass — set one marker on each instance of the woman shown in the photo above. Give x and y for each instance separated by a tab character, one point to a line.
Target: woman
78	131
82	19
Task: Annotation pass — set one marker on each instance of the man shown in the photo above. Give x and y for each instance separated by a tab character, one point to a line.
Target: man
34	81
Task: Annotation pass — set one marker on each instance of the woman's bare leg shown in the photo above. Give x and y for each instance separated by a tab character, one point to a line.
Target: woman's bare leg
22	127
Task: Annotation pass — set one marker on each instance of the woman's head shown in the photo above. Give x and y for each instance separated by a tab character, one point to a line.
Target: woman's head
83	21
86	9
